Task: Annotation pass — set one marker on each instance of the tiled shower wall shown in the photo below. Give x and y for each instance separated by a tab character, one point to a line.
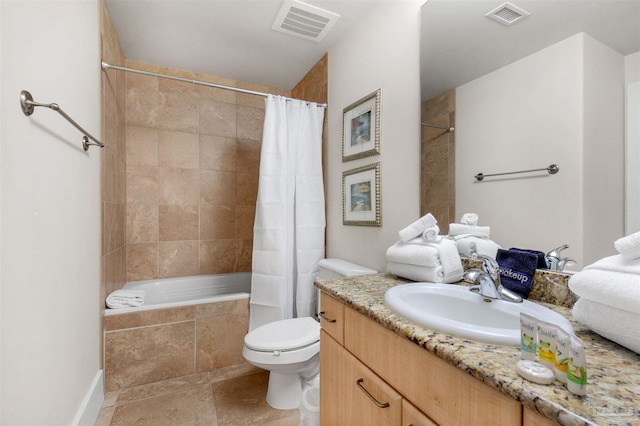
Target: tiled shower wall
438	177
192	162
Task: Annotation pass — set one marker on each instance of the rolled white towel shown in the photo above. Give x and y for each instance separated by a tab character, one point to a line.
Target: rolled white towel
431	233
629	246
617	263
414	252
462	229
417	228
125	299
417	273
616	289
469	219
468	244
621	326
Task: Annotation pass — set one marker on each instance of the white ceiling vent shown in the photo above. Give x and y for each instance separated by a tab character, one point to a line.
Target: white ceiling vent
507	14
304	20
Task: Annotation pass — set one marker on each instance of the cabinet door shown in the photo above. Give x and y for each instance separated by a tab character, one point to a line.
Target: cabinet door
350	393
332	317
411	416
532	418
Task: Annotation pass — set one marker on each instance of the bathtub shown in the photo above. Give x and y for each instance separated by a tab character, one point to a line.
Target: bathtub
184	291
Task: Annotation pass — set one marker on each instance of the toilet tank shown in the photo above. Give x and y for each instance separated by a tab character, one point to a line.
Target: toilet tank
336	268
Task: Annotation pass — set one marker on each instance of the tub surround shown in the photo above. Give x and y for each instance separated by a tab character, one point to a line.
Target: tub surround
614	385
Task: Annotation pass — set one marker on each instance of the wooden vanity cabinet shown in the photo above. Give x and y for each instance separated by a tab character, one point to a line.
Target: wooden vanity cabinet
434	390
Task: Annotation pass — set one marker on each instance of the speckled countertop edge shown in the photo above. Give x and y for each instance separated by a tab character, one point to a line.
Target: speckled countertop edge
613	389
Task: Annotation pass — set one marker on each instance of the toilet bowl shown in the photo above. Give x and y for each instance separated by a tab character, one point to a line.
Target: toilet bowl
290	348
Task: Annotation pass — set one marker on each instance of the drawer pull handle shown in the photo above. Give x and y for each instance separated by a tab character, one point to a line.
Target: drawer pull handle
321	314
371	397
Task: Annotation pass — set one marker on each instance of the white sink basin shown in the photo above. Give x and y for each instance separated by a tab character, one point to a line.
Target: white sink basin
455	310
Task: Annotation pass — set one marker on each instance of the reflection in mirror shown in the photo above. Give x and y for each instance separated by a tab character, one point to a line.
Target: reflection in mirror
548	89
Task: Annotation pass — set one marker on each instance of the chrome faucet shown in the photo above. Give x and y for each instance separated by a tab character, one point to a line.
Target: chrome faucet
489	281
554	261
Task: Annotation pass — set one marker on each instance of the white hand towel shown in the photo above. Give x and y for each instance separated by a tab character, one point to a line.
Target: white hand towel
477	231
469	219
416	273
617	289
417	228
125	299
449	259
617	263
414	252
621	326
467	245
629	246
431	233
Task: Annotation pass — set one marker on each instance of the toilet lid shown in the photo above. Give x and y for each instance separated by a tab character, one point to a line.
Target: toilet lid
284	335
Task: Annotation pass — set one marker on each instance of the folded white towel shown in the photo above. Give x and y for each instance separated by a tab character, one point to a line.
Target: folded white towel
417	273
617	263
629	246
125	299
467	245
417	228
462	229
621	326
449	259
469	219
431	233
617	289
414	252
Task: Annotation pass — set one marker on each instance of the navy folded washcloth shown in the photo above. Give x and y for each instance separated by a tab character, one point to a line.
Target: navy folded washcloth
516	270
542	262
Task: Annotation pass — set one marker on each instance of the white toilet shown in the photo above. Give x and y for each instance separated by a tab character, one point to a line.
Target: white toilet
290	349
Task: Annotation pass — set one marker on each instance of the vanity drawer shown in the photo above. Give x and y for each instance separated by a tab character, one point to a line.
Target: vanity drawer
332	317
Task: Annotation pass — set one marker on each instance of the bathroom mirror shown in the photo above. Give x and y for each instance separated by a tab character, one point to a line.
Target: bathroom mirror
460	44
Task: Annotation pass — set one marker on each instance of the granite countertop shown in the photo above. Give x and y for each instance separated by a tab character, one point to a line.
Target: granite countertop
613	374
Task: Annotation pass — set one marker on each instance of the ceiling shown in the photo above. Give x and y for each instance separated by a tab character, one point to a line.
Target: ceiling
234	39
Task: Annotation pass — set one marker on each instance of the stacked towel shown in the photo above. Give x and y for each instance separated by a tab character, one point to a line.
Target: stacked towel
472	239
423	255
125	299
517	268
418	227
629	246
469	219
609	303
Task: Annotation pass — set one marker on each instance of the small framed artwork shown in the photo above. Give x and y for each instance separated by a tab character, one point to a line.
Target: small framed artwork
361	128
361	196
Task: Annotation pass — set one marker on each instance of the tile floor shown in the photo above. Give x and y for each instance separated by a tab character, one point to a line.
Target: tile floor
197	399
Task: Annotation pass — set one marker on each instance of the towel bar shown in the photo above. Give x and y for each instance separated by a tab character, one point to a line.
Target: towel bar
552	169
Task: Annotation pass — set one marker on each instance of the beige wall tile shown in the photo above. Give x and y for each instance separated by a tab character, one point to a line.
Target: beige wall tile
142	223
149	354
229	307
217	153
112	226
217	188
245	218
113	272
217	118
178	112
244	255
143	107
147	318
219	341
178	259
217	256
142	185
178	223
178	150
142	146
248	153
178	186
217	222
250	122
247	188
142	261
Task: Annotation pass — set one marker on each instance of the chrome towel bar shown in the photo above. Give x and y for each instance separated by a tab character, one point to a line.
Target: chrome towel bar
28	105
448	129
552	169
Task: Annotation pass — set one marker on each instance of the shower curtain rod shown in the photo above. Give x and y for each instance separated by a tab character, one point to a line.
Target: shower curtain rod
106	66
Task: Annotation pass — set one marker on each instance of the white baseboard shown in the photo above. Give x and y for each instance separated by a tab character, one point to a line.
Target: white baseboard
92	404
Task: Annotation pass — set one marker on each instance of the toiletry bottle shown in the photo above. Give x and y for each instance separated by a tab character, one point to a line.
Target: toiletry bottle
563	347
547	344
528	337
577	370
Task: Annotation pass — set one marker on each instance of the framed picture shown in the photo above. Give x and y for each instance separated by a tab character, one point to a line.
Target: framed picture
361	128
361	196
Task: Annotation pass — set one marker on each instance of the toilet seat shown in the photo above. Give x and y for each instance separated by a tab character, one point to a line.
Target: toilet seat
284	335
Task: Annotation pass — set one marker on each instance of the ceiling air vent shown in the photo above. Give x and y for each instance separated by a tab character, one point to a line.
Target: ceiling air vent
304	20
507	14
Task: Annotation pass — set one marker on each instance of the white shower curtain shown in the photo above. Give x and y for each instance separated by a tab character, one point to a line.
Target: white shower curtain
288	236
